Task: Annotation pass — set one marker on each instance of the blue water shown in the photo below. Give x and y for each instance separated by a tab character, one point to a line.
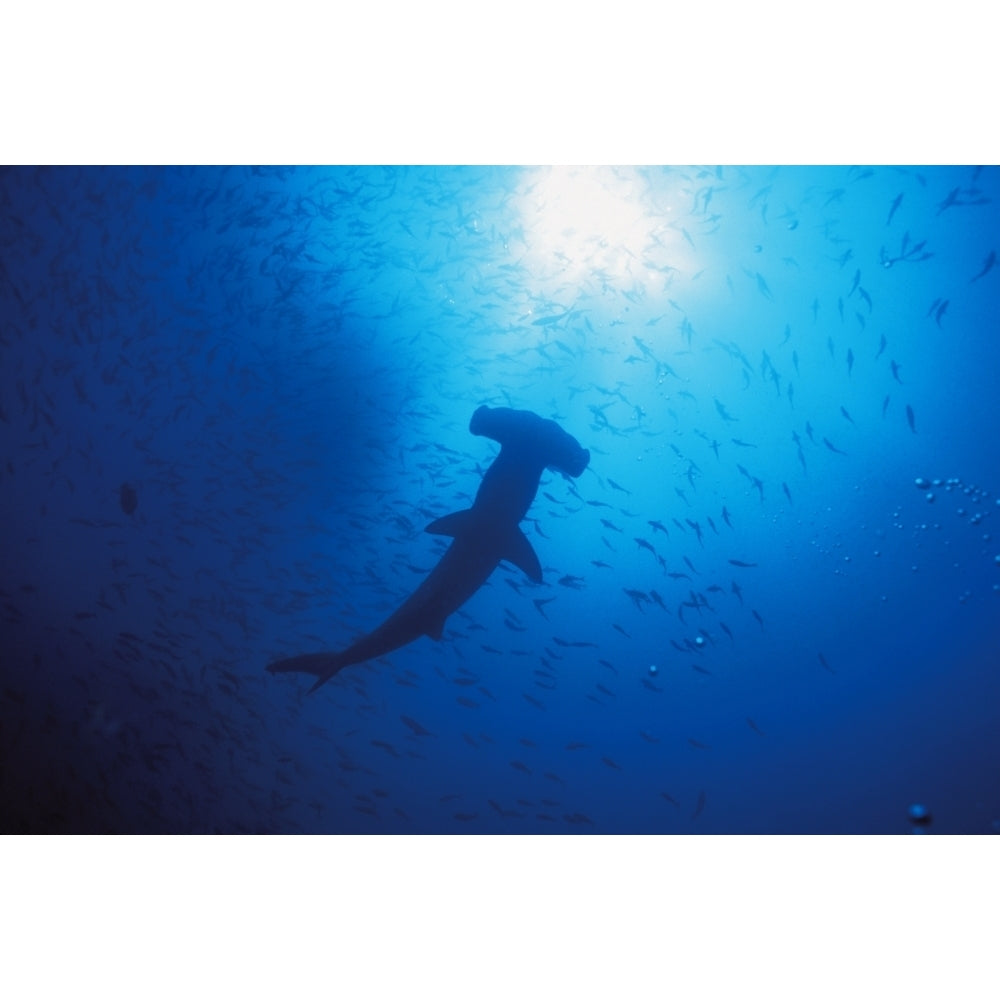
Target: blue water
231	400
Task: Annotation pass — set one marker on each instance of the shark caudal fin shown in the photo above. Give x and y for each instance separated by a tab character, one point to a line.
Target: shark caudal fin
321	665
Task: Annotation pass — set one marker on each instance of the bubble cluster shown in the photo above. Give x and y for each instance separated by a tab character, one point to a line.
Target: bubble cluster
975	506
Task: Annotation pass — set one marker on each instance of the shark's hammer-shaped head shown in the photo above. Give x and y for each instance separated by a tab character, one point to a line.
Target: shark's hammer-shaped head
531	436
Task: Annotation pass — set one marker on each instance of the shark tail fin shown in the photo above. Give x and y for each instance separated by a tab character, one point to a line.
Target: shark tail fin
321	665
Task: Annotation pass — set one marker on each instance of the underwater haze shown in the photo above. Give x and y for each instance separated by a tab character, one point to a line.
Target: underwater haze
232	399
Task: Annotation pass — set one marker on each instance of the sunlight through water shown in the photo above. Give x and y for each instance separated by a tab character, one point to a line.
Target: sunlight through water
598	227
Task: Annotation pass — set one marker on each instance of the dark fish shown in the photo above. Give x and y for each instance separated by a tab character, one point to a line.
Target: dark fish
387	747
128	498
910	419
739	562
753	725
895	205
415	726
549	320
987	266
699	805
824	664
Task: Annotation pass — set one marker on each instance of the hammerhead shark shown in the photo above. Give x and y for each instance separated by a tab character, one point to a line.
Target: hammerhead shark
482	536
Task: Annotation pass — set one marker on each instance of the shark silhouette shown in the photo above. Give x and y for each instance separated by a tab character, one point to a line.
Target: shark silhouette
482	536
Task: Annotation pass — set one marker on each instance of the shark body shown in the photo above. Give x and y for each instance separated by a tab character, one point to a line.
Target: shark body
482	536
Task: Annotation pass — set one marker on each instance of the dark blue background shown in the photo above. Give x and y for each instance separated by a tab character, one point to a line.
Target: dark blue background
282	363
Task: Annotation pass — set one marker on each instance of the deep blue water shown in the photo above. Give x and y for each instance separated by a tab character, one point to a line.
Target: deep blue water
232	399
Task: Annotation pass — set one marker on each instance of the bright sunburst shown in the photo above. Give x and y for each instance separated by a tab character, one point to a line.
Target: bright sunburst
596	225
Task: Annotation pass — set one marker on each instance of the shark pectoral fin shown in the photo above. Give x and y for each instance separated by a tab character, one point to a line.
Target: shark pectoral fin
435	629
451	524
517	550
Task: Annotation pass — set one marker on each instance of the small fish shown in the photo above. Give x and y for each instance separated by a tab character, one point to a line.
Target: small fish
753	725
824	664
699	805
549	320
128	498
991	259
897	201
415	726
910	419
744	565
